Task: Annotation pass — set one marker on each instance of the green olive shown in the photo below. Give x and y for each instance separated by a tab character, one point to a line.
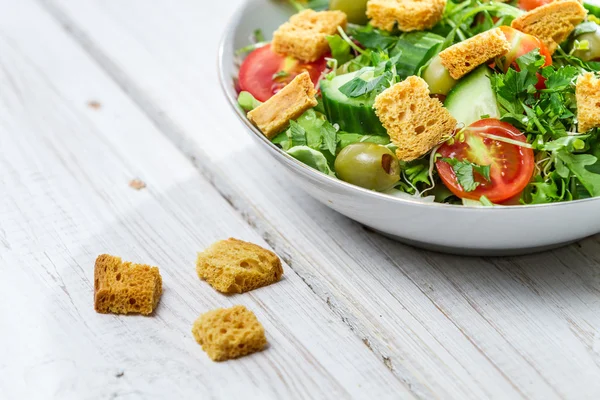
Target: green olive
356	10
593	51
368	165
438	78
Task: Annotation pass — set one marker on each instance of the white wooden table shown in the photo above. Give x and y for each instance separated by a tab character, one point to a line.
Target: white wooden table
95	93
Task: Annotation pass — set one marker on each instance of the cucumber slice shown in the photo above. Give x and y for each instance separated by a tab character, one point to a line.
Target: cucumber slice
473	97
352	115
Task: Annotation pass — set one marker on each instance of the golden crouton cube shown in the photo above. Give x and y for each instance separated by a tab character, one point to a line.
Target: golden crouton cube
305	35
587	93
415	122
410	15
123	288
464	57
551	23
235	266
289	103
227	333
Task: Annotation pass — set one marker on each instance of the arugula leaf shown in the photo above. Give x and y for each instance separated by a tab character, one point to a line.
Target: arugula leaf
374	38
580	165
312	158
464	171
280	74
319	133
340	49
329	137
296	134
258	36
416	48
358	87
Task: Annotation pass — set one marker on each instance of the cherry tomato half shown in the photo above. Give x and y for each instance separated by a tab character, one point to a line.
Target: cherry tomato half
264	72
522	43
529	5
511	166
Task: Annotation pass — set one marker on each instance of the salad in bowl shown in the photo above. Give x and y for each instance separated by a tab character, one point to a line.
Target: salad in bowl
465	103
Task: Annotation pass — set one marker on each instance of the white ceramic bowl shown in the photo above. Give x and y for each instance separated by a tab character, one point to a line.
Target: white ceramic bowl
442	227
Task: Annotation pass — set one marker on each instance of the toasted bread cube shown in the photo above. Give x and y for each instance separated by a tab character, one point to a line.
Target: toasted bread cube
551	23
304	36
464	57
410	15
123	288
235	266
415	122
587	93
227	333
289	103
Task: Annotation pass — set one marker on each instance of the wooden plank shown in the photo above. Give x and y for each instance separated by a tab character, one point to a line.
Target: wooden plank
71	141
448	326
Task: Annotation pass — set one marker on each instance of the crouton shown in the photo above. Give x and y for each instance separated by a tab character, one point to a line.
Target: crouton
305	35
289	103
551	23
123	288
410	15
227	333
415	122
464	57
587	93
235	266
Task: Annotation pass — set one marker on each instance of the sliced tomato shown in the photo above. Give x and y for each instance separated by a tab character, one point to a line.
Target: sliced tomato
511	166
522	43
529	5
264	72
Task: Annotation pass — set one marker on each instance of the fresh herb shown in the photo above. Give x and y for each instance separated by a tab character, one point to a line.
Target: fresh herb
358	87
464	171
296	134
312	158
280	75
258	36
340	49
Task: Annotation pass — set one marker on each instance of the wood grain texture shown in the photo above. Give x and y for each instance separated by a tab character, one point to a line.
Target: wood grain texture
448	326
70	143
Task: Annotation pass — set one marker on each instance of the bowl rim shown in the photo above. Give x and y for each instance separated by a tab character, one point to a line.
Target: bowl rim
226	86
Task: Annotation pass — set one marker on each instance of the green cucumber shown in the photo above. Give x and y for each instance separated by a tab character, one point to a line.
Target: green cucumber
473	97
355	115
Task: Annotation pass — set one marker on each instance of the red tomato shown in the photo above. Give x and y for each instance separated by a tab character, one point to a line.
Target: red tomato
258	70
529	5
522	44
511	166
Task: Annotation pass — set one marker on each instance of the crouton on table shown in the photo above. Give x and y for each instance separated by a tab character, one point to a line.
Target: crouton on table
229	333
551	23
587	93
410	15
464	57
289	103
235	266
123	287
305	35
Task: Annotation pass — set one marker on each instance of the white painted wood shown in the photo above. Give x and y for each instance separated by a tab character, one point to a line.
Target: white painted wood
65	165
450	327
